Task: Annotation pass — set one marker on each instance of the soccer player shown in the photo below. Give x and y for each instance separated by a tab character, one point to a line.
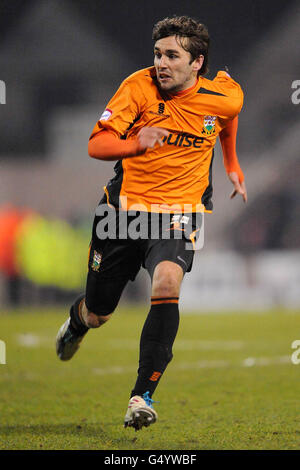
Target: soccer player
161	127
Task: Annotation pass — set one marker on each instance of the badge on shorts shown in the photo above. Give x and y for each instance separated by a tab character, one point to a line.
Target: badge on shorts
177	220
97	258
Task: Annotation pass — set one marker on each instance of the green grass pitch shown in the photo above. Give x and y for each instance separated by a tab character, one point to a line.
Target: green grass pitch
231	384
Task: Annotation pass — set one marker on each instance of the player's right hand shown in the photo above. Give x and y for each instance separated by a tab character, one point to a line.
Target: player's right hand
148	137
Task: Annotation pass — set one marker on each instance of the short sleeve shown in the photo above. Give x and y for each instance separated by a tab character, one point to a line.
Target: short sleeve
121	111
232	89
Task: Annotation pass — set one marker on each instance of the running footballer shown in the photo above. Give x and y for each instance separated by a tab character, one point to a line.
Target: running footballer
161	127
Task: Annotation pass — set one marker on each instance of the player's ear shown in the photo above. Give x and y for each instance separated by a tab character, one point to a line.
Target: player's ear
198	62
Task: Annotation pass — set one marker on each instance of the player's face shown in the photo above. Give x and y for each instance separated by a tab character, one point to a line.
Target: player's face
174	69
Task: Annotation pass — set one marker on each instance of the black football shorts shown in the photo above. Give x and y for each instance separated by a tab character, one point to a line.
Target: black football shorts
122	243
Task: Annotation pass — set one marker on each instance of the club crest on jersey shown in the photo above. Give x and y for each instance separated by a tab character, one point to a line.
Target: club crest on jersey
106	115
97	258
209	125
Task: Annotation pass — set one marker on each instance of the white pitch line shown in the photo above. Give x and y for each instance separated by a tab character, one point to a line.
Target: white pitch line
28	340
184	345
206	364
114	370
31	340
205	345
266	361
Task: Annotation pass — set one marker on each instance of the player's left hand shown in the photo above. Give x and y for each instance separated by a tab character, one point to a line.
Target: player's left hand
239	188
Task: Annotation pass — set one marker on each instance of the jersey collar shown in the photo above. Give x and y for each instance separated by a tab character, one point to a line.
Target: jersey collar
187	91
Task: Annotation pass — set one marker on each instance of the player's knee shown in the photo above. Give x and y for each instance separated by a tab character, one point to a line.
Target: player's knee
102	295
167	280
165	287
101	309
94	321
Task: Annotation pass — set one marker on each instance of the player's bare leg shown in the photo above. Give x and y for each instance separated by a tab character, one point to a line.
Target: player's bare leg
156	343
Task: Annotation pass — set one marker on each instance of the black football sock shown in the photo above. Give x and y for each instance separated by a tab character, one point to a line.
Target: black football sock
76	323
156	343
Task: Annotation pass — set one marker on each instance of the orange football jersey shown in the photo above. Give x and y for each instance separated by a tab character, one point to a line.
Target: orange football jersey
178	174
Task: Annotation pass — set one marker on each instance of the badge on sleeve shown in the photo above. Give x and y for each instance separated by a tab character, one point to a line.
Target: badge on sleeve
106	115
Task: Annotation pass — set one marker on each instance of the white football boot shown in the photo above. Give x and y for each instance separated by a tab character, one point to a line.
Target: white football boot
67	341
140	412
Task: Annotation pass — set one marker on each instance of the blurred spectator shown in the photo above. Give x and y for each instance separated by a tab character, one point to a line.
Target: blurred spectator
11	220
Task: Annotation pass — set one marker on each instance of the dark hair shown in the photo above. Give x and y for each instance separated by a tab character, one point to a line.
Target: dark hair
185	27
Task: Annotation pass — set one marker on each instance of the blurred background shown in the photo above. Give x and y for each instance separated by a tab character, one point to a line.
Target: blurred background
60	63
